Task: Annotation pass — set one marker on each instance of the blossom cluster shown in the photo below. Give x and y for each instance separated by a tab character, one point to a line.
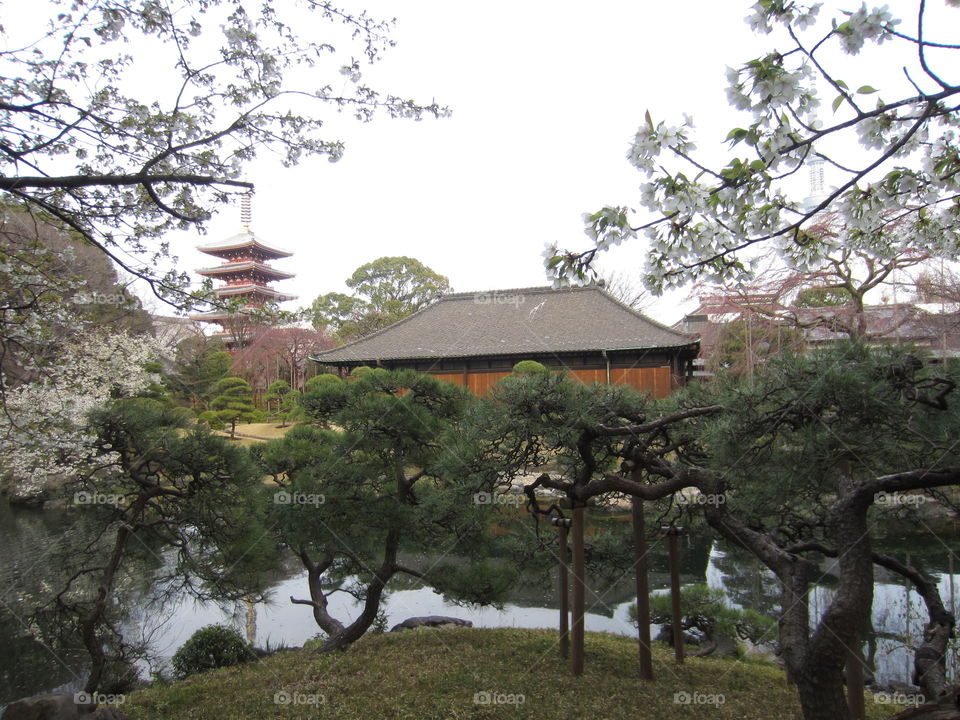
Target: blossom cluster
897	190
46	432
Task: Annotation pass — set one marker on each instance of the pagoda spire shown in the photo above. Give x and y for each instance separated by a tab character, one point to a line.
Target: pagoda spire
245	210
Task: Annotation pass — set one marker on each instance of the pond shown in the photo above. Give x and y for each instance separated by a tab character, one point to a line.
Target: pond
29	537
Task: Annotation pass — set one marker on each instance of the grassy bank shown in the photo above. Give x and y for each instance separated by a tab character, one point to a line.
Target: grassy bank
433	674
253	433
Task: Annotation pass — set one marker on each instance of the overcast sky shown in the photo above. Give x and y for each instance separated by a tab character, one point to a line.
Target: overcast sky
545	98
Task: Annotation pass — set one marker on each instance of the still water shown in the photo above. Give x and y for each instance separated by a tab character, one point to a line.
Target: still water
27	538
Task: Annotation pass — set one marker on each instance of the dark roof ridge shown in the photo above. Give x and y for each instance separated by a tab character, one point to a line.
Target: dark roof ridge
391	325
549	289
448	308
636	312
522	291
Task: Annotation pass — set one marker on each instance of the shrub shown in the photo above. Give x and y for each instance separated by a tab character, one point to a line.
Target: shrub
211	419
320	380
213	646
119	676
316	642
529	367
707	611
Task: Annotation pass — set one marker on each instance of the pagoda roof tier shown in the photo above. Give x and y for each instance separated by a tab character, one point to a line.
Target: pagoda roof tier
253	289
243	266
212	316
240	242
217	316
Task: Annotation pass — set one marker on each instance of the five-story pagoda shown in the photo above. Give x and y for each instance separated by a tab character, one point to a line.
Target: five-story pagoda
246	274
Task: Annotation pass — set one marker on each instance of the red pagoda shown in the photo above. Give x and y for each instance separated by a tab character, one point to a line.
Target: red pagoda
246	274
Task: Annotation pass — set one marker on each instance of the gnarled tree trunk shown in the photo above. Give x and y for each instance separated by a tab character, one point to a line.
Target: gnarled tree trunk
930	659
947	707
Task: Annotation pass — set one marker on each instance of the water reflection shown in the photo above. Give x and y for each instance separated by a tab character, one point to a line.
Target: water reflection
29	540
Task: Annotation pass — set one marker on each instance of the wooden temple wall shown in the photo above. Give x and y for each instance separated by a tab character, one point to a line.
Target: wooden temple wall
658	381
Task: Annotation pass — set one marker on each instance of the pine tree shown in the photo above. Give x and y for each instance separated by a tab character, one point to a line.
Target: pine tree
233	402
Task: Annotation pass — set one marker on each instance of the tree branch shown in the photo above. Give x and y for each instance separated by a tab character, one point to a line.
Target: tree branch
78	181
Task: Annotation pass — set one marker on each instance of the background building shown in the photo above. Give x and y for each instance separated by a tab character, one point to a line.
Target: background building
474	339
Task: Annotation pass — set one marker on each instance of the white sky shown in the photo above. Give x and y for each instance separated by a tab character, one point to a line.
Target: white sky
545	97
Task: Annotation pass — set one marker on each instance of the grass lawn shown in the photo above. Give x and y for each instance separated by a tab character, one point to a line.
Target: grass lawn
477	673
253	433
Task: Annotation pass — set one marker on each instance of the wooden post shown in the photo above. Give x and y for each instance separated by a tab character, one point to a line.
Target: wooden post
953	610
564	586
854	677
251	620
672	533
579	590
643	588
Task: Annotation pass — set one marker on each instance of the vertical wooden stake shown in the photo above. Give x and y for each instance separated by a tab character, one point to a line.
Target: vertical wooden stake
953	609
675	594
906	622
854	677
643	588
564	588
251	620
578	593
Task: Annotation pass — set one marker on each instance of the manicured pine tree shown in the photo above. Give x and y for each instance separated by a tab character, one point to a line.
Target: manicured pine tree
285	399
233	402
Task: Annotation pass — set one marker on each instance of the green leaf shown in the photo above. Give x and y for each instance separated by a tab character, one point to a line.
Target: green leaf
866	90
837	101
736	135
649	120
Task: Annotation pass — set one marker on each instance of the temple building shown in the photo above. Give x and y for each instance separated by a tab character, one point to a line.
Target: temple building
246	275
474	339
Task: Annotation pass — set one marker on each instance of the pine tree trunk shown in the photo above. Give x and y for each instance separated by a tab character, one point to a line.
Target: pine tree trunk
822	697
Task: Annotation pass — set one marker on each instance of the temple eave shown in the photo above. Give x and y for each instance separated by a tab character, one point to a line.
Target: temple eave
260	271
243	241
